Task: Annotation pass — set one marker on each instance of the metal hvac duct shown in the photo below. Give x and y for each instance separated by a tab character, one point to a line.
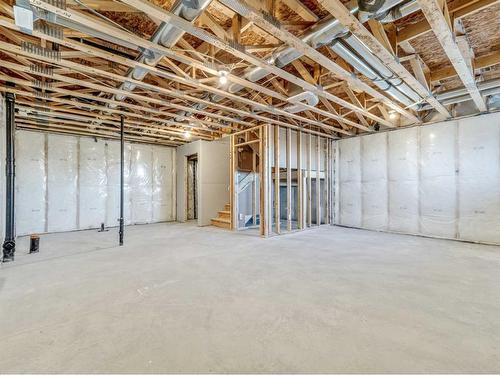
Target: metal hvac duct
167	36
487	88
323	33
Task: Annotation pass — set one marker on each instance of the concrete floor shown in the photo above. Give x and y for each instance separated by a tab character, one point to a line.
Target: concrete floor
177	298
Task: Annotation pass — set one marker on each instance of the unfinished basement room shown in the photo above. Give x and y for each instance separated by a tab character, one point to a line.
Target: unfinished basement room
250	186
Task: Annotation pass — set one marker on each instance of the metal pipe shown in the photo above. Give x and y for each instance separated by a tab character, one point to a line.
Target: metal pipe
122	165
9	243
460	95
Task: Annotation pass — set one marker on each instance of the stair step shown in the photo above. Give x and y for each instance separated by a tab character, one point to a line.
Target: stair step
227	207
224	214
221	223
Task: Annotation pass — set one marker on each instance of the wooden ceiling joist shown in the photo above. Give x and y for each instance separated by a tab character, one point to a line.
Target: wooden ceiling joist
438	18
339	11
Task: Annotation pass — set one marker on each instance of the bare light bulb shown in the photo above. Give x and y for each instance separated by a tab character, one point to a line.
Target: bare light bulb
187	135
223	77
393	115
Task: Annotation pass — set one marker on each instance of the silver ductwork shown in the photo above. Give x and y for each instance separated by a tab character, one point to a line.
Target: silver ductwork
460	95
324	33
355	53
399	12
305	96
165	35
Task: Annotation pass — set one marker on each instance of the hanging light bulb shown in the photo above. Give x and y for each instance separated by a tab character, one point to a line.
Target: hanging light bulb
393	115
187	134
223	77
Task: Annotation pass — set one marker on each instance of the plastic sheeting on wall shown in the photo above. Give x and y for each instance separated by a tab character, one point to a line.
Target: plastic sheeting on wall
92	183
62	180
403	180
81	178
438	180
113	183
163	188
479	178
443	180
141	170
374	181
350	182
31	184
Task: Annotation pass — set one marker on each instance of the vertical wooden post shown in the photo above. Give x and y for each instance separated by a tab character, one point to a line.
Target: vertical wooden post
300	191
233	188
254	187
288	179
277	179
309	183
318	181
264	181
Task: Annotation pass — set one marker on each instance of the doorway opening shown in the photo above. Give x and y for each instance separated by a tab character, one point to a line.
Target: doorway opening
191	187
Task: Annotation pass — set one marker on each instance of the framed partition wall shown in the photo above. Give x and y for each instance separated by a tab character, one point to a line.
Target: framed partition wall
281	180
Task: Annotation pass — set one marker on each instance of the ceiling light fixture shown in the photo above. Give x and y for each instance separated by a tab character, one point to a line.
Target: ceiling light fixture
223	76
187	134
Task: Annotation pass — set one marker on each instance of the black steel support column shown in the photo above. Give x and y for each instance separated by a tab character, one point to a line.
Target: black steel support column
122	164
9	243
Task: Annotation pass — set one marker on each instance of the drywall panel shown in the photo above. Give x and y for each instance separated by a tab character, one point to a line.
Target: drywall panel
350	204
479	178
62	182
438	193
163	187
141	179
213	179
30	198
350	160
92	183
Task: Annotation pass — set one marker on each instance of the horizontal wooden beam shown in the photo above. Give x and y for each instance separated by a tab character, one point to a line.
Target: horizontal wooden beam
436	16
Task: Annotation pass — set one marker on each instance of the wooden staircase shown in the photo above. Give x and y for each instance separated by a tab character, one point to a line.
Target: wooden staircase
223	219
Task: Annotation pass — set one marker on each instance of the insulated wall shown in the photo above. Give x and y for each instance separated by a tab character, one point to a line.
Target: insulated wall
440	180
69	183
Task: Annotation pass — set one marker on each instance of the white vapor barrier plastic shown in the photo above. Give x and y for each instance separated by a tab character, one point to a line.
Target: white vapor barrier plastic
141	179
163	192
374	181
479	178
440	180
113	183
350	182
438	187
69	183
403	180
62	181
92	183
30	184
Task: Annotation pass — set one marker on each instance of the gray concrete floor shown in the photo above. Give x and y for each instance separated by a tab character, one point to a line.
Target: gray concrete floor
177	298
